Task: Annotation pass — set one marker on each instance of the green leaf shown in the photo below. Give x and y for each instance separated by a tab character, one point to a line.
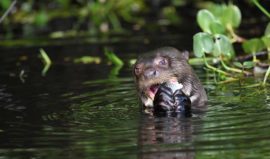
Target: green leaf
88	60
267	30
204	19
4	4
46	59
113	58
222	46
232	16
217	28
235	15
64	3
238	64
132	61
217	9
266	41
253	45
248	64
202	43
41	18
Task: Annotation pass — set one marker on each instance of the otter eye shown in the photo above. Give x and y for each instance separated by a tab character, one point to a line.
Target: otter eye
163	62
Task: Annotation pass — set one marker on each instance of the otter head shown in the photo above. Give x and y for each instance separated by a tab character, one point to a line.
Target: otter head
155	68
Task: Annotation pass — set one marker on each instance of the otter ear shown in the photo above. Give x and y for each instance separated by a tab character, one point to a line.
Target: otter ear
185	54
137	69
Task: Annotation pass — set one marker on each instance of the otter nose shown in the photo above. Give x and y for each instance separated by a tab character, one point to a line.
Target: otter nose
151	73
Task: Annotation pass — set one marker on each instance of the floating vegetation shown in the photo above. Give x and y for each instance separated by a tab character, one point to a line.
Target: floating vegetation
46	60
88	60
22	76
113	58
219	24
116	61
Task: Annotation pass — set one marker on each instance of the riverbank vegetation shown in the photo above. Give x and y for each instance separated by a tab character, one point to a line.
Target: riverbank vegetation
224	44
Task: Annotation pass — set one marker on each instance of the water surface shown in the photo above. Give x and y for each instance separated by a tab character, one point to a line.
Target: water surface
86	111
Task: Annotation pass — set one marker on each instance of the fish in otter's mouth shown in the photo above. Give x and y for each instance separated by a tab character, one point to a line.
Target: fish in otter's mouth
153	88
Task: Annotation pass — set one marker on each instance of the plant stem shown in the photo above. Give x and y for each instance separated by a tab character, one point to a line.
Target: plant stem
214	68
268	53
234	69
254	59
235	37
8	10
261	8
47	62
228	80
199	60
266	76
45	57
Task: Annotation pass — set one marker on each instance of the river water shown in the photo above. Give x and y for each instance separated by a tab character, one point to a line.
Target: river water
92	111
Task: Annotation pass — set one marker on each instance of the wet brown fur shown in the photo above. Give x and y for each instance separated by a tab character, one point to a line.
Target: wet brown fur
178	67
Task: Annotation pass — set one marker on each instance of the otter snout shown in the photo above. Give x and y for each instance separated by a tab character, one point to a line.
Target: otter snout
151	73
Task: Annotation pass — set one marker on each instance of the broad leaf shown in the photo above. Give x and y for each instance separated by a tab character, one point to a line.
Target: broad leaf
248	64
266	41
222	46
202	43
217	28
41	18
231	16
4	4
113	58
253	45
204	19
238	64
267	30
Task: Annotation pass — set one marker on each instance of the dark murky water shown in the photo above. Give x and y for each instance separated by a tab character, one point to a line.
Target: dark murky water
85	111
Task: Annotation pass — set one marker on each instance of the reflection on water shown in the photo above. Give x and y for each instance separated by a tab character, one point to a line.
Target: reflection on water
166	138
67	115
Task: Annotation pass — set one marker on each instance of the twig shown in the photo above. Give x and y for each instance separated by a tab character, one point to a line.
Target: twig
260	55
8	11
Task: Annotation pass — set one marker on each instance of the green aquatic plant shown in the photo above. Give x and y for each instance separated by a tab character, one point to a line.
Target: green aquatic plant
215	39
104	15
88	60
95	17
46	60
256	2
218	46
220	19
116	61
113	58
266	39
253	46
8	6
244	65
219	24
